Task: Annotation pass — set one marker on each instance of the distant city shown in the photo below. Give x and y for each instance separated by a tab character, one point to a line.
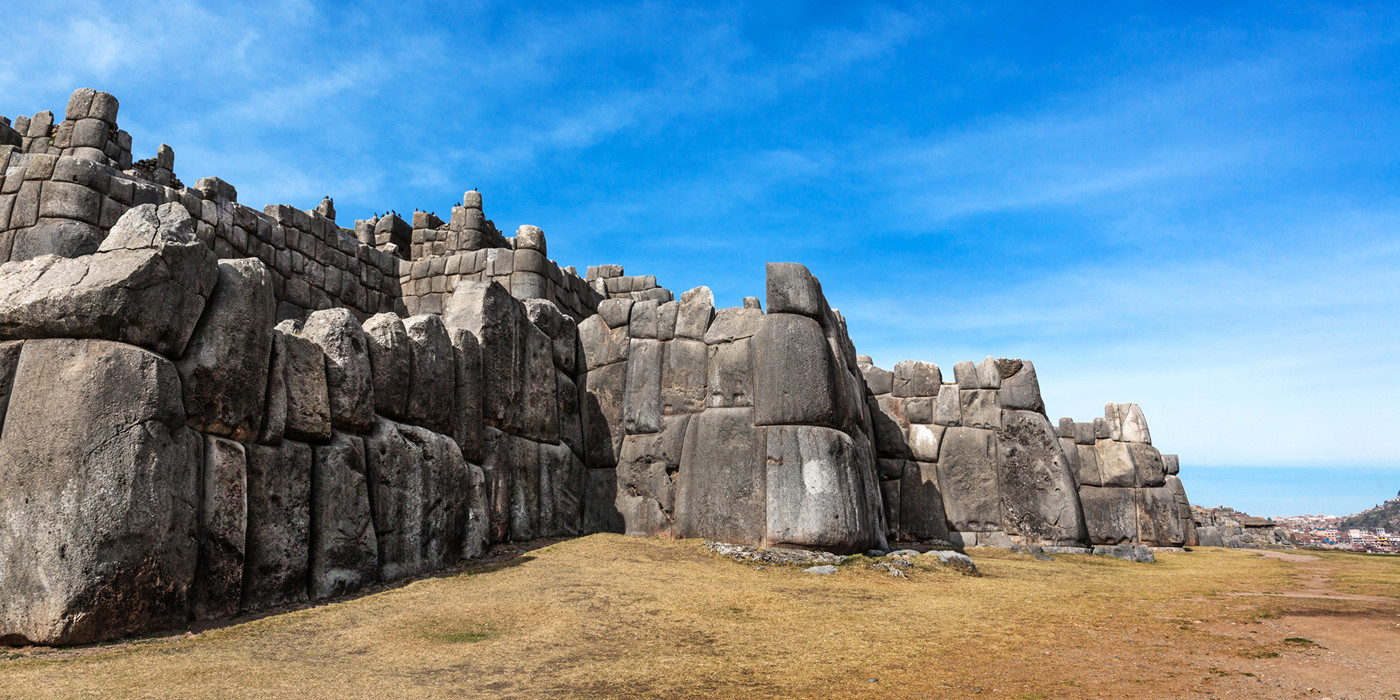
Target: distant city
1373	530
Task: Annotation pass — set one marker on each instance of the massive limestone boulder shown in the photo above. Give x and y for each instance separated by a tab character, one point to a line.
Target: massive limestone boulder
967	474
1040	499
390	359
432	394
721	489
146	285
223	529
99	490
344	554
308	407
647	471
349	383
225	366
279	525
816	490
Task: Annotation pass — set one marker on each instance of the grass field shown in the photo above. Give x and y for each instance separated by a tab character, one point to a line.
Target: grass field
612	616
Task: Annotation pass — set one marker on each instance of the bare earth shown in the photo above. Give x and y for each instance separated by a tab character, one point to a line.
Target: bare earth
612	616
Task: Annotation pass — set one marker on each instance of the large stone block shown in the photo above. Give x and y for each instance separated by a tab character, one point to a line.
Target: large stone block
697	309
398	496
1039	494
1021	390
796	379
562	484
450	486
1159	521
729	374
65	238
878	381
980	409
733	324
601	395
683	376
570	414
432	391
274	417
1127	423
225	366
496	468
1115	463
921	516
304	375
815	491
641	403
344	553
914	378
390	359
600	513
534	413
1148	465
967	476
467	416
720	493
647	471
279	525
495	319
948	408
924	441
601	345
792	289
146	286
1110	514
9	360
1172	463
223	529
888	426
524	489
79	563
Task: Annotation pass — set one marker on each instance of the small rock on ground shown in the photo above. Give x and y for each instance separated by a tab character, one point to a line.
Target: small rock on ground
822	570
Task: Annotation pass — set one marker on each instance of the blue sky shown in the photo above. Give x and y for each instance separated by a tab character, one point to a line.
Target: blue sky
1189	207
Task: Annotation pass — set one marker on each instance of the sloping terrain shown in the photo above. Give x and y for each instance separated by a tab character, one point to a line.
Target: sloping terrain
614	616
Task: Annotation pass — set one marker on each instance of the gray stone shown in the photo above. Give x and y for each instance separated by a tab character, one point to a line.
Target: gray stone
1084	434
666	320
948	409
496	467
720	493
921	516
924	441
467	417
9	359
1039	494
524	488
74	559
988	374
344	554
1021	391
1110	514
535	410
732	324
1209	536
956	560
563	473
1115	463
644	321
683	376
967	476
878	381
146	286
1086	462
450	487
432	391
601	395
225	366
79	103
1147	464
1159	522
793	290
62	237
795	373
495	320
615	312
919	410
816	491
888	426
966	375
223	529
274	417
1171	463
398	497
753	304
600	513
530	238
69	200
570	414
390	362
823	570
641	404
279	525
729	371
1131	425
980	409
304	375
697	308
601	345
914	378
647	470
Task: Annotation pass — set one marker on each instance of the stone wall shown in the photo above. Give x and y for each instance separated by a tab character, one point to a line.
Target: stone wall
974	462
1130	491
207	409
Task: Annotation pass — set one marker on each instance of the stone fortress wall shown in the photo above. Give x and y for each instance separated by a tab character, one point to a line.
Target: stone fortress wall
206	409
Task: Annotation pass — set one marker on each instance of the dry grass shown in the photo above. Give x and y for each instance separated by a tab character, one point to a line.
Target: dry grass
612	616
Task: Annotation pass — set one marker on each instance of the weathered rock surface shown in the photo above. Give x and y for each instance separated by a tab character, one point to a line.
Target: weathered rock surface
279	525
224	370
721	491
967	475
816	490
390	359
223	529
99	487
1038	492
344	553
146	285
349	381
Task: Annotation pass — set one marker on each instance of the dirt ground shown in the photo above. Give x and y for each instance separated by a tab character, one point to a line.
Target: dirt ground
611	616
